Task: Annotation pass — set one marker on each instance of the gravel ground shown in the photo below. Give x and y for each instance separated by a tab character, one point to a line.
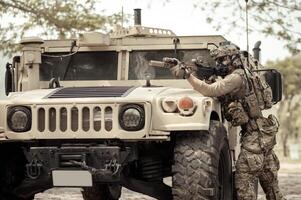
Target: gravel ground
290	184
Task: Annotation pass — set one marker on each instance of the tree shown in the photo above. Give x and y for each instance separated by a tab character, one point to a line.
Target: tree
278	18
53	18
290	106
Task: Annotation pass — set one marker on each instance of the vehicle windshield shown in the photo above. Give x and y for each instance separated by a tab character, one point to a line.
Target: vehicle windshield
139	67
80	66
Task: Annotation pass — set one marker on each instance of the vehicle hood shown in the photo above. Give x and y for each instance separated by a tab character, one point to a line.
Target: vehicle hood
96	94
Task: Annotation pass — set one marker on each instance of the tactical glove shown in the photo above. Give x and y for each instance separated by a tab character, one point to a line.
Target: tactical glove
177	71
180	71
187	72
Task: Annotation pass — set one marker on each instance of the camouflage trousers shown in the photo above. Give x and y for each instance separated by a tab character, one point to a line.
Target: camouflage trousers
250	168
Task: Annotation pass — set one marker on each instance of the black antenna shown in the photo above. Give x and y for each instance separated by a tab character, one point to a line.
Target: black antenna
247	30
122	16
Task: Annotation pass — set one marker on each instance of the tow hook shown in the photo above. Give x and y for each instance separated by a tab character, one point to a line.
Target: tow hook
33	169
113	166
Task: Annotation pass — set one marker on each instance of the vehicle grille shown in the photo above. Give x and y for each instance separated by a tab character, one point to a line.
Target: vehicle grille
83	118
88	92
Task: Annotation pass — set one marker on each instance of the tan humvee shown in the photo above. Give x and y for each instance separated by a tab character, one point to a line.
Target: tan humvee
90	112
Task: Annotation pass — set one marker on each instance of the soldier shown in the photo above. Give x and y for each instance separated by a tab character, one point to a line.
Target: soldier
257	160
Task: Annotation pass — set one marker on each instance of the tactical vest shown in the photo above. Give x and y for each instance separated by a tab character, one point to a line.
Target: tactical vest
243	107
249	100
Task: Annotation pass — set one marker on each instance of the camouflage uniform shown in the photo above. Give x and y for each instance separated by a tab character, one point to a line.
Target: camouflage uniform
257	160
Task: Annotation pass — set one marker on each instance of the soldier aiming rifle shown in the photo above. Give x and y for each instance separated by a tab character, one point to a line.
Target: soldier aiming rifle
243	95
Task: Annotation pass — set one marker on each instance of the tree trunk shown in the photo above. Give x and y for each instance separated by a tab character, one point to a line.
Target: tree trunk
285	117
284	145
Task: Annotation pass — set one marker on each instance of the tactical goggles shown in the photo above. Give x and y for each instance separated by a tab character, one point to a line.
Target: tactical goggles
220	59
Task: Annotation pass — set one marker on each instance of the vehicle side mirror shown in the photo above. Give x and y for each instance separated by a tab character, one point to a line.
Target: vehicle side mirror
274	79
8	79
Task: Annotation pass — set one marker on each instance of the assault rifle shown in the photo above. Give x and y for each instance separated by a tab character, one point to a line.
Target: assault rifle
198	68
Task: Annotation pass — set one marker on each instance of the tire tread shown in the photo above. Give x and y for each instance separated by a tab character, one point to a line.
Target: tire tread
196	156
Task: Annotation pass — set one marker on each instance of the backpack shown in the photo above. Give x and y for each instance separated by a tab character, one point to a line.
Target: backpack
259	96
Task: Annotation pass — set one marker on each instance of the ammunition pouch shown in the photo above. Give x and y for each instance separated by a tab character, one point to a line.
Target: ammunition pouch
268	127
263	92
255	161
265	129
236	114
252	107
249	138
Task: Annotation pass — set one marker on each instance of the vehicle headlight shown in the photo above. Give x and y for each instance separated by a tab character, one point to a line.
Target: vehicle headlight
132	117
19	119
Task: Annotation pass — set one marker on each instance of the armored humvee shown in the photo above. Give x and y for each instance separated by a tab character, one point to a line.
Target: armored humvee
90	112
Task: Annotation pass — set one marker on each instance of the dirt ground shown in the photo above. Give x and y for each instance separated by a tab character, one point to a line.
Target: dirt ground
289	180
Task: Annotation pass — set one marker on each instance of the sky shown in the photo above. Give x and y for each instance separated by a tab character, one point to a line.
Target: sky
183	19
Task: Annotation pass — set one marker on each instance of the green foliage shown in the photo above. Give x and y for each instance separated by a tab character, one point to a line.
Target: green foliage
290	69
290	107
278	18
55	18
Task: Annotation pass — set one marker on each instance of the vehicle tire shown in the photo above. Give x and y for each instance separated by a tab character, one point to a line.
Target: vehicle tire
12	170
101	192
202	165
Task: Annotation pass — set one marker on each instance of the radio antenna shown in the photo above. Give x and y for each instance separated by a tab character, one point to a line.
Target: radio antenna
122	17
247	30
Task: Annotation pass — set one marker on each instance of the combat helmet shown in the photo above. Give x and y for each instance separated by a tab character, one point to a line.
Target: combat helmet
224	50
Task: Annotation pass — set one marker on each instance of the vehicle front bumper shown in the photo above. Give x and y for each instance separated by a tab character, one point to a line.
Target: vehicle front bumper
103	163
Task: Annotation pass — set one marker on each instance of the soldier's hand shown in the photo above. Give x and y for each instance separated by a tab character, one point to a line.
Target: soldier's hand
187	72
177	68
171	61
180	71
177	71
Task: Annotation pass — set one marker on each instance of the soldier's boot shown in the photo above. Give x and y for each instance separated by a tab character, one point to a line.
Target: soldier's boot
269	183
273	193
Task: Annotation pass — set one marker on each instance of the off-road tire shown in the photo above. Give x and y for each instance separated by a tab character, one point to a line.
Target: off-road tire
202	165
98	192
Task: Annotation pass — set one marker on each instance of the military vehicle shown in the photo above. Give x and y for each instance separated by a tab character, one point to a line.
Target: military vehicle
90	112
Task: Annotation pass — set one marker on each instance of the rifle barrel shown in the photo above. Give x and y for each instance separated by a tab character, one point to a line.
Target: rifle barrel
155	63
